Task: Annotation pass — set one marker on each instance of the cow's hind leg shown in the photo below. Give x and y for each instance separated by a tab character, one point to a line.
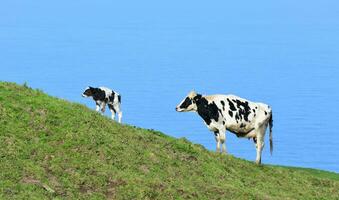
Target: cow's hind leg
259	149
111	108
118	110
260	142
119	116
255	142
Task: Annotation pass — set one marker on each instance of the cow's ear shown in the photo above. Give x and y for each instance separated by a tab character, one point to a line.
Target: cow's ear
197	98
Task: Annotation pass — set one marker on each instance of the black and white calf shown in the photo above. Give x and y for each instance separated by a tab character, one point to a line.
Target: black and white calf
232	113
103	96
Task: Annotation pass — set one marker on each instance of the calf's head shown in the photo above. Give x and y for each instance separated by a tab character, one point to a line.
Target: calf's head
89	91
189	104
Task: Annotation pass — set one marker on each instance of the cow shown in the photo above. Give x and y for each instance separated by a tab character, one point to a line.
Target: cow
103	96
229	112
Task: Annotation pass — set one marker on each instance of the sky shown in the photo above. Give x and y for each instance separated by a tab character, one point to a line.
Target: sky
155	14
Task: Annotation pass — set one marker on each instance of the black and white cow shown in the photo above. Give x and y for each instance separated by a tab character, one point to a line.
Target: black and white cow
103	96
229	112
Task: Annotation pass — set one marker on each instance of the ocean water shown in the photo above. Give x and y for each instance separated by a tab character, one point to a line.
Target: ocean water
285	54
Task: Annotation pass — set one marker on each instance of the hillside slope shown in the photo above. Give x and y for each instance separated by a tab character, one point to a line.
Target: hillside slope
51	148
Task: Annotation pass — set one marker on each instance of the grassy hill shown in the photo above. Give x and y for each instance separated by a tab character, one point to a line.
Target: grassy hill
54	149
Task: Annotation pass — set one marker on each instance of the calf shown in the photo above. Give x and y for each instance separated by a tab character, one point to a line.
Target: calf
229	112
103	96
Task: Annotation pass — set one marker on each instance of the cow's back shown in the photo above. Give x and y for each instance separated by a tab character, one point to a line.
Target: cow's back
240	115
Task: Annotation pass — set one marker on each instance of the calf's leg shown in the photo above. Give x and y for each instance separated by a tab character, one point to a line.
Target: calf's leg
118	110
103	107
119	116
111	108
97	107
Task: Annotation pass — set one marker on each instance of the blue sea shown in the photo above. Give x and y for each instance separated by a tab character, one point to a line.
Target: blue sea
283	53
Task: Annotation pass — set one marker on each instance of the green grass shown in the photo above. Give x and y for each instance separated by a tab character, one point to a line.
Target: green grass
54	149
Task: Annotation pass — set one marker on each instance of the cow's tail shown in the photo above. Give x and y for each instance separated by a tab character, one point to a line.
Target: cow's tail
271	137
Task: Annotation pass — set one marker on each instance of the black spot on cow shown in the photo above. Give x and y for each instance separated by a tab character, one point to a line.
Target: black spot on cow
207	111
242	125
255	115
265	113
237	117
256	107
244	109
232	107
220	111
186	103
111	98
255	140
253	110
230	113
98	94
223	122
223	104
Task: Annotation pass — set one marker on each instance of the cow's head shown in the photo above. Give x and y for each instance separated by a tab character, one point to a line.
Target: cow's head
89	91
189	103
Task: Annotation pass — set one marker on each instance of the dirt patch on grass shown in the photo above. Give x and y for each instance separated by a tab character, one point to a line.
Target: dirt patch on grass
112	186
31	180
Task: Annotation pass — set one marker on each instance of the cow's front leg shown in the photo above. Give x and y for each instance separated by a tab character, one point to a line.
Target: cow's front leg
97	107
103	107
220	139
217	139
223	141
